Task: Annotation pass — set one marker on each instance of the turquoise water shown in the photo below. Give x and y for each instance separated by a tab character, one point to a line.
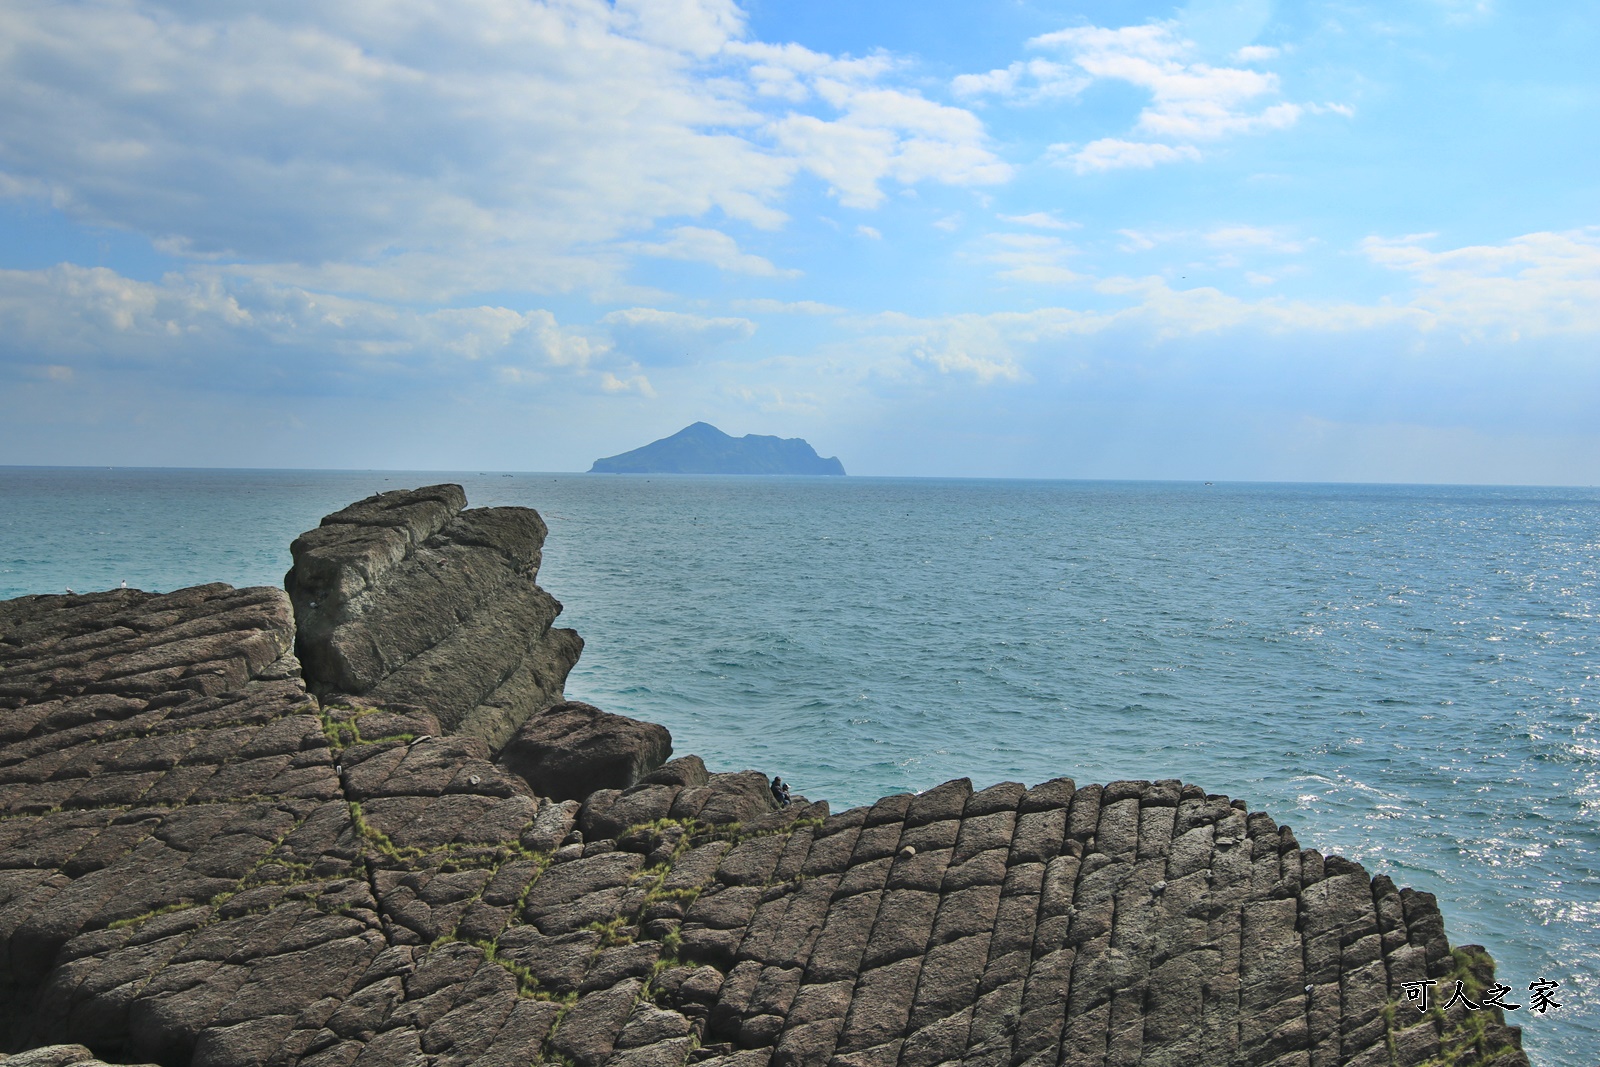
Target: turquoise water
1406	675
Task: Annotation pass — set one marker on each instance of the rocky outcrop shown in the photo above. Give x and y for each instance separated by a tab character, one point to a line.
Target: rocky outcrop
572	749
405	597
202	865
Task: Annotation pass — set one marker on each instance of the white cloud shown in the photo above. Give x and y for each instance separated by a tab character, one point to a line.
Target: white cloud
437	149
1111	153
1494	297
1229	244
1256	53
695	27
359	132
1466	11
1012	348
1537	284
886	134
770	399
870	232
701	245
1136	241
637	383
997	82
875	133
1253	238
666	338
68	328
851	159
1032	257
782	307
789	70
1042	220
224	333
1189	101
1152	42
1206	120
1025	81
967	346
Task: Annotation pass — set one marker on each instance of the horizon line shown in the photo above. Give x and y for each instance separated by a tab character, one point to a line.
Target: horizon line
819	477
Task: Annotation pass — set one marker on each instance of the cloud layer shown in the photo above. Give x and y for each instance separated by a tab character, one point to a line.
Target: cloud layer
437	149
1190	102
572	219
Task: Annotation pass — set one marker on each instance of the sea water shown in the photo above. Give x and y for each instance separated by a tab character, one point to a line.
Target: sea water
1407	675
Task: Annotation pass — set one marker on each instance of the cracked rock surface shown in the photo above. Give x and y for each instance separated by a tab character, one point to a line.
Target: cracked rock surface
406	597
200	863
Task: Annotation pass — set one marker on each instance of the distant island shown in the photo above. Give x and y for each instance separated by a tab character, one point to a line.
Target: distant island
704	449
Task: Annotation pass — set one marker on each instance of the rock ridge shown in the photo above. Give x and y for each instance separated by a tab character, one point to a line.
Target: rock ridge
407	597
205	862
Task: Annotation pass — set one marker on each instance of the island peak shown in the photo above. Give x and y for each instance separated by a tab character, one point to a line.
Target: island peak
701	448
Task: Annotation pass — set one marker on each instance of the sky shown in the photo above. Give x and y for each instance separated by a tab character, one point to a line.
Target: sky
1227	240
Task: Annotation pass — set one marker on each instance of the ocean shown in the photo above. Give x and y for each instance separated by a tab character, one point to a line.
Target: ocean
1407	675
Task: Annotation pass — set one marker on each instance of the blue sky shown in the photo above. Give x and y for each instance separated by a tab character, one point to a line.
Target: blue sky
1233	239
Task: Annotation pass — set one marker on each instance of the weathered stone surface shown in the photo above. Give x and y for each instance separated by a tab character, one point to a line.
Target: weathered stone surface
572	749
405	597
742	797
56	1056
738	797
685	772
200	864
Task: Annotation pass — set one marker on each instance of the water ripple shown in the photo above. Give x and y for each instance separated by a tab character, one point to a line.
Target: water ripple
1408	675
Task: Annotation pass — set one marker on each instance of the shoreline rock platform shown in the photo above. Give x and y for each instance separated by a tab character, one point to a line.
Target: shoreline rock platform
238	827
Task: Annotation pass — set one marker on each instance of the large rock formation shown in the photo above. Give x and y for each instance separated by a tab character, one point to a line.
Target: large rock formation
201	864
405	597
